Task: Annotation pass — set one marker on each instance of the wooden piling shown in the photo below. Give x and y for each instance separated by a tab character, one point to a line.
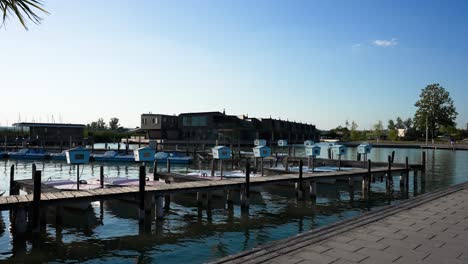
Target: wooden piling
167	198
313	190
155	171
299	184
13	188
407	172
286	166
229	198
77	177
19	221
159	206
221	168
423	169
369	176
261	165
36	204
389	179
245	193
213	164
351	188
415	182
101	176
168	165
141	193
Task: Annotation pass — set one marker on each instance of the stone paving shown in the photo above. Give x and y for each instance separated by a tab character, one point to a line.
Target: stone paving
435	232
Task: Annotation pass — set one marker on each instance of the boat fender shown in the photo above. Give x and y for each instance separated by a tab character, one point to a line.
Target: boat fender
83	182
147	178
204	174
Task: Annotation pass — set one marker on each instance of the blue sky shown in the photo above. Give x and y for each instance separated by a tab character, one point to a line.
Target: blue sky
320	62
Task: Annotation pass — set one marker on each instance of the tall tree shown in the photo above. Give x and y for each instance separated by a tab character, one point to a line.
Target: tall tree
391	125
435	107
378	127
408	123
399	123
23	9
114	123
101	124
354	135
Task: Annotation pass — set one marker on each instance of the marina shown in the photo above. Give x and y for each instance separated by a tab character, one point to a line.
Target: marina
183	190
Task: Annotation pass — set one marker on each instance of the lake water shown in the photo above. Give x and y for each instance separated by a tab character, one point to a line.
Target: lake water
109	232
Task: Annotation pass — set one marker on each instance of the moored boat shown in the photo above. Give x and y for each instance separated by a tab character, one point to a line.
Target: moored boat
28	154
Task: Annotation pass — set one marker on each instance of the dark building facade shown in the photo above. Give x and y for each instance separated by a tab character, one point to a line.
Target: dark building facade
211	126
159	126
47	134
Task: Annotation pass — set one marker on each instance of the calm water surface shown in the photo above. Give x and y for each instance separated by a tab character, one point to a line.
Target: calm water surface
109	232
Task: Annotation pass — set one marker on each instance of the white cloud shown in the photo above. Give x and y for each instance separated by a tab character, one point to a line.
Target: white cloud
385	42
357	45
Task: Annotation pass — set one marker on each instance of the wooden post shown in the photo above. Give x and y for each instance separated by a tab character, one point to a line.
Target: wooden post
101	176
255	163
389	179
19	223
141	193
159	206
167	198
393	156
59	214
221	168
276	159
369	176
77	177
155	171
351	188
168	165
309	163
287	163
13	189
299	184
213	164
415	182
407	172
36	204
289	150
423	169
246	192
229	198
261	165
232	160
313	190
339	162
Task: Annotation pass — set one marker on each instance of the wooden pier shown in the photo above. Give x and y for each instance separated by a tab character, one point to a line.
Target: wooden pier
27	210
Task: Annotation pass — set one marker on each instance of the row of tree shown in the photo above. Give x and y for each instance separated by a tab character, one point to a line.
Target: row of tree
100	124
435	115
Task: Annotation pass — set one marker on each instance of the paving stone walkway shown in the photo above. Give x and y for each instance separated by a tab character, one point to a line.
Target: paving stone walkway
435	231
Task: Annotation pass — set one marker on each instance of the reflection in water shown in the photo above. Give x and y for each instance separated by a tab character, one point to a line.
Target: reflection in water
109	232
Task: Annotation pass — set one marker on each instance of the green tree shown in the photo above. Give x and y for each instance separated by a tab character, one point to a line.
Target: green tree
23	9
378	128
354	133
114	123
392	135
391	124
435	107
399	123
408	123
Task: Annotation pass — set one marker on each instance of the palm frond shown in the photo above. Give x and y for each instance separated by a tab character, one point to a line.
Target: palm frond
23	9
